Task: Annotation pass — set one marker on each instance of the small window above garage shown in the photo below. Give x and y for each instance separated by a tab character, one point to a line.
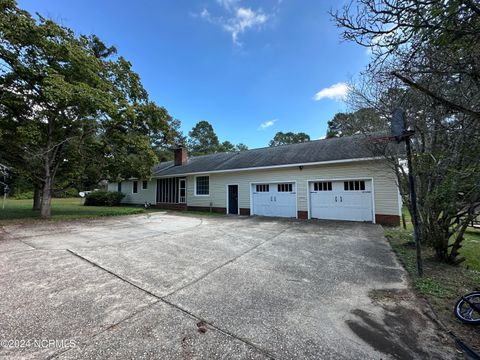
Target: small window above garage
262	188
285	187
355	185
322	186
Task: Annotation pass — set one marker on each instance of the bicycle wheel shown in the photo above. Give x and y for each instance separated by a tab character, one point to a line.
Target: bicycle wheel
465	312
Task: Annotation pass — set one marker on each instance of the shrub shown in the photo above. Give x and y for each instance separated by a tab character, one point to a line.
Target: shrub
23	195
103	198
67	193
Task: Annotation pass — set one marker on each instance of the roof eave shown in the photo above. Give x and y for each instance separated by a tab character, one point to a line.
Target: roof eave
272	167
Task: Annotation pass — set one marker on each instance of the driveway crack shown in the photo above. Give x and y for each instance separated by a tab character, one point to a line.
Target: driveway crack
184	311
225	263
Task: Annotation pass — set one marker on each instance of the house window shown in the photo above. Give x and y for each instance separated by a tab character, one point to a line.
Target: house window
202	185
262	188
119	186
355	185
144	185
322	186
135	187
285	187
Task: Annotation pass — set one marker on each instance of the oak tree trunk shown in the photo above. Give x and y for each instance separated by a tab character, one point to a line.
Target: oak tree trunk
37	196
45	207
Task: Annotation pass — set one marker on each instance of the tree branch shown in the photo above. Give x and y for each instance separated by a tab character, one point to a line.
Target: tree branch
438	98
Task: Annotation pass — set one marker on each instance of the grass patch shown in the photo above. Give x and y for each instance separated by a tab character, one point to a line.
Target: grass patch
470	249
442	284
62	209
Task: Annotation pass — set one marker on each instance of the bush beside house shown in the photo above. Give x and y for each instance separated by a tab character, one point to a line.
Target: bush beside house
103	198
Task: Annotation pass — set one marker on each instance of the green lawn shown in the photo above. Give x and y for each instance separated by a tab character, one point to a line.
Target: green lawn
62	209
442	284
470	245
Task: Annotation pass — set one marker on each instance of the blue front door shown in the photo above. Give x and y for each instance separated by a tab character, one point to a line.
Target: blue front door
233	199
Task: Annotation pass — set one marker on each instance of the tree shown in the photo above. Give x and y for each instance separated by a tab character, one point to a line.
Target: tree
226	146
65	95
241	147
425	60
282	138
202	139
402	35
365	120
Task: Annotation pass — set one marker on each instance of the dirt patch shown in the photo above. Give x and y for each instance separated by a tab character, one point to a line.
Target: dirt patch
439	288
400	329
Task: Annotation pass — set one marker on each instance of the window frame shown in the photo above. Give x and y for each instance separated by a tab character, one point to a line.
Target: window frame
195	185
351	185
265	188
285	188
119	186
134	186
144	182
320	185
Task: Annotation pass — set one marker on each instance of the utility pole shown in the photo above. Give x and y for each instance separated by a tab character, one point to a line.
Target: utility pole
400	133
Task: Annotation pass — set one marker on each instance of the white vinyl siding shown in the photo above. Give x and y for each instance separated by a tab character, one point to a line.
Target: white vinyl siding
142	196
384	183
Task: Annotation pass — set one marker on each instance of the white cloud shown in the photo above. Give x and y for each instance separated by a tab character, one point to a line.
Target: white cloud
228	4
337	92
239	19
244	19
267	124
205	14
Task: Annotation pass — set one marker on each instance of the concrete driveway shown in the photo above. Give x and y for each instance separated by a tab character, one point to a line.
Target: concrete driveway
176	286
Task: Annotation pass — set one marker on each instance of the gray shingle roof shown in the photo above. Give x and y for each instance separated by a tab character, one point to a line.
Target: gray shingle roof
343	148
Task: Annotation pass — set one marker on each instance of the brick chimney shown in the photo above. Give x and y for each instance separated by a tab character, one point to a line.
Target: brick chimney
180	155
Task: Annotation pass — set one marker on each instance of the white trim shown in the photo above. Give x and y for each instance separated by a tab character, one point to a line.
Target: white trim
141	187
342	179
133	181
195	185
199	173
250	184
238	199
184	179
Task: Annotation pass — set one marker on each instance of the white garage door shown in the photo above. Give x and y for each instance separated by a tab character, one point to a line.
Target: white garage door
274	199
341	200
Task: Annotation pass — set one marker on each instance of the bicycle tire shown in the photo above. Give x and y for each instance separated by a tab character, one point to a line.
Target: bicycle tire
464	312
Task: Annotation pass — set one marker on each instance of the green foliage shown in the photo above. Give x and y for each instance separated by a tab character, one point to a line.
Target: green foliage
23	196
362	121
419	57
103	198
71	110
226	146
67	193
242	147
282	138
203	140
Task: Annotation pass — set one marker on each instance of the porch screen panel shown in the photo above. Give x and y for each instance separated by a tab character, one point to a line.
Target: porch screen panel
168	190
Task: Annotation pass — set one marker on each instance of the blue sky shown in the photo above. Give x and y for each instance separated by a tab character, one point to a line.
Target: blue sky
250	68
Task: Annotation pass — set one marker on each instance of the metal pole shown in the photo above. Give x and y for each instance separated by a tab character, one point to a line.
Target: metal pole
413	204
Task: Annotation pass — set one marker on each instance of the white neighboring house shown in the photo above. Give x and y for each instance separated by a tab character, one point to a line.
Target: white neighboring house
336	179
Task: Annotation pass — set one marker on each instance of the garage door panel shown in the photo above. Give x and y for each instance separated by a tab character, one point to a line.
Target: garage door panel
342	200
274	202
